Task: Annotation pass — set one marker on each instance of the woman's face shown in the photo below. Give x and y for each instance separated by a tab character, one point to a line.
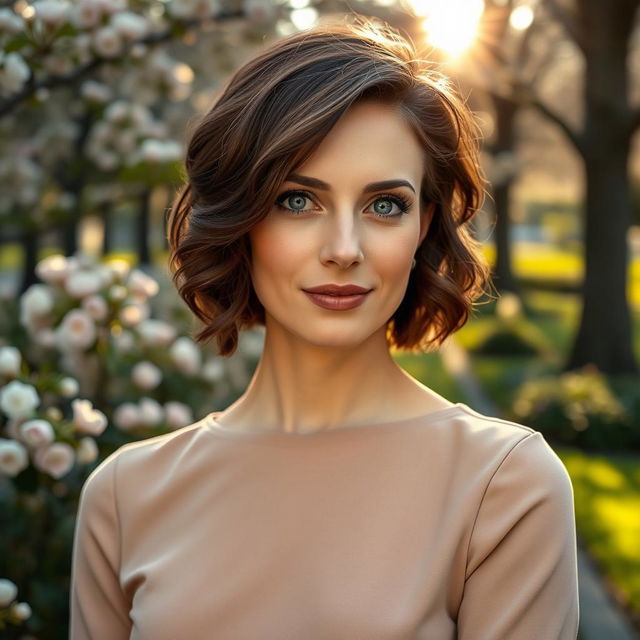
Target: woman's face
332	224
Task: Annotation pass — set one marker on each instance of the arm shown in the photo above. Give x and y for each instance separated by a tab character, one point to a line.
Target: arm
521	581
99	609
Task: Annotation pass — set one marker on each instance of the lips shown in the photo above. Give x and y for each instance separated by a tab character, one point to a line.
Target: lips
337	290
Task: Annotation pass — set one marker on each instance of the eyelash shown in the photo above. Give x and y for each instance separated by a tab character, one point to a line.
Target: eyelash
401	202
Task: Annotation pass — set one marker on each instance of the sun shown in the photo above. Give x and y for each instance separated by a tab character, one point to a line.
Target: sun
450	25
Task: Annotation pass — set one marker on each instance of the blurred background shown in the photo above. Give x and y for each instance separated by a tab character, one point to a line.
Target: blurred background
96	97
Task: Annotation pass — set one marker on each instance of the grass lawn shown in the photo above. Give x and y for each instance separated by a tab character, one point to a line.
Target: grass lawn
607	503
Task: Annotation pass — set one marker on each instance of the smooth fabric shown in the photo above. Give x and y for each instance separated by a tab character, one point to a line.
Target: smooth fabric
449	525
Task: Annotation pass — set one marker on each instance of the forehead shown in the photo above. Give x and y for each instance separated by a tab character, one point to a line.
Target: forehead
372	141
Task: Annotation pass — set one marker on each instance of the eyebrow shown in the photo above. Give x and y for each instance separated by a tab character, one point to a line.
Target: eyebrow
307	181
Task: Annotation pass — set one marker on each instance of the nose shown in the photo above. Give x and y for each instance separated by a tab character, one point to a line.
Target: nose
343	242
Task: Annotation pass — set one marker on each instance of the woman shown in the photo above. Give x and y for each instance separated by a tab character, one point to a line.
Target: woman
328	195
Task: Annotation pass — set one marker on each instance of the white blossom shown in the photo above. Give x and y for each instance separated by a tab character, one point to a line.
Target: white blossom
46	337
87	419
87	13
37	432
141	285
76	331
151	412
107	42
96	91
14	72
55	459
177	414
36	301
53	269
13	457
96	306
126	416
146	375
10	361
68	387
129	25
123	341
133	314
83	283
52	12
156	333
8	592
10	22
186	355
159	151
21	610
18	400
87	451
213	370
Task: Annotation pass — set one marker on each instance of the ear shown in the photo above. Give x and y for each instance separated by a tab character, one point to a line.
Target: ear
426	215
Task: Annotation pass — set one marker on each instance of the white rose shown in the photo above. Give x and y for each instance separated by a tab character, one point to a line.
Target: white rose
21	610
96	307
119	268
126	416
53	269
83	283
156	333
118	293
133	314
45	337
177	414
10	361
37	300
186	356
76	331
213	370
151	412
107	42
55	459
37	432
142	285
123	342
8	592
68	387
87	419
146	375
87	451
18	400
13	457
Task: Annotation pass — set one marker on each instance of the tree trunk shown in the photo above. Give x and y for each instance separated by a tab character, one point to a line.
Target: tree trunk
30	258
505	142
604	337
143	249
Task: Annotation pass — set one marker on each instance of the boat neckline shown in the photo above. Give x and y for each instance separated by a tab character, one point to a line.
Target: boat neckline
215	427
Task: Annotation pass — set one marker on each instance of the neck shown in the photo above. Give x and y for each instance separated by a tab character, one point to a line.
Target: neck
302	387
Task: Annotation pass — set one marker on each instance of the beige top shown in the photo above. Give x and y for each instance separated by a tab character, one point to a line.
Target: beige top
449	525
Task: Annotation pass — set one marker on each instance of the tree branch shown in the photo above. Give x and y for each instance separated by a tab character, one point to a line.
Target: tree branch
568	21
49	82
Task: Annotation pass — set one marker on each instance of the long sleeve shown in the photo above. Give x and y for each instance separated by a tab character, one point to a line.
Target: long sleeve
521	580
98	607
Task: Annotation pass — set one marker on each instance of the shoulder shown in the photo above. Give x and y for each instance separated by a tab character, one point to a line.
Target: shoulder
143	458
513	453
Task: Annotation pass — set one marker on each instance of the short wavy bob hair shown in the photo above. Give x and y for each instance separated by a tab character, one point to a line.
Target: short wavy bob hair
268	119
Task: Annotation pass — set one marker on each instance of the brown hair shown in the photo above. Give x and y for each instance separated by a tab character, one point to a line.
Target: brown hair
241	151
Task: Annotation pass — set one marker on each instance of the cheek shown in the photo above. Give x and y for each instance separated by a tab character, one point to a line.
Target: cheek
392	259
273	252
